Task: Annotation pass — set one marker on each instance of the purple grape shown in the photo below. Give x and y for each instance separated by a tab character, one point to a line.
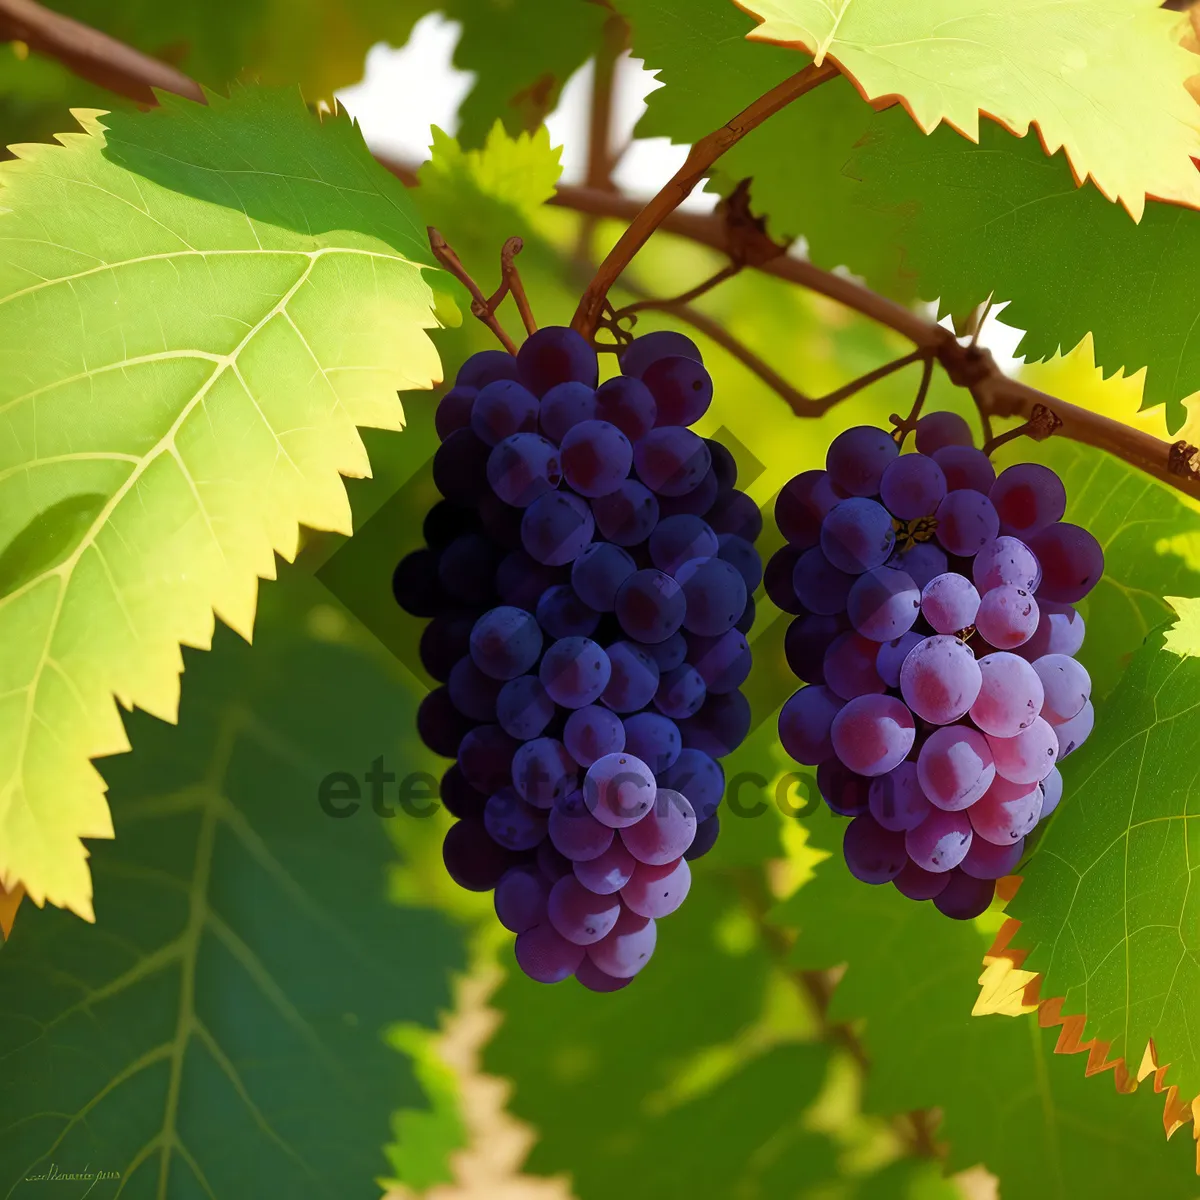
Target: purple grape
545	955
1008	617
486	366
698	777
949	603
1072	562
715	595
746	621
502	409
806	642
562	614
505	642
520	899
643	351
591	733
707	833
720	726
896	799
671	460
574	671
722	662
575	832
565	406
628	515
873	854
940	679
523	708
883	604
521	581
467	569
736	513
857	535
444	641
806	723
955	768
1060	631
551	862
849	669
680	692
818	585
669	653
779	579
595	980
441	726
650	606
1027	757
460	468
938	429
966	522
1010	695
742	555
523	467
596	458
580	915
628	948
556	355
1052	790
964	898
940	842
557	528
609	873
1070	735
1006	812
1028	497
847	794
500	521
458	796
598	572
1005	560
923	562
473	693
965	468
872	734
1066	687
664	833
628	404
543	772
657	891
858	457
695	503
619	790
511	822
472	859
802	505
986	860
454	411
445	521
912	486
634	680
919	884
681	387
678	540
654	739
724	466
891	655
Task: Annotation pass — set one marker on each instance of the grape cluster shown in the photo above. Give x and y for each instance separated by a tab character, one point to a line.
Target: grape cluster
935	629
588	577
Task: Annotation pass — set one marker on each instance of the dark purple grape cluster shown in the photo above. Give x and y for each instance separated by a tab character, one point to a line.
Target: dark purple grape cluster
588	577
934	628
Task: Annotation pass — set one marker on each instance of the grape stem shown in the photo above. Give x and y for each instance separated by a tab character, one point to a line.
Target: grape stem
510	281
906	425
481	306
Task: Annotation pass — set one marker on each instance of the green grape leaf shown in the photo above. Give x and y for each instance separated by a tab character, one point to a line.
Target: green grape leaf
221	1030
201	305
1034	1120
1002	219
1102	79
795	160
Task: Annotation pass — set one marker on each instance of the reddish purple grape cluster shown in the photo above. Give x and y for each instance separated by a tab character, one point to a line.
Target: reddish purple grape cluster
935	632
588	576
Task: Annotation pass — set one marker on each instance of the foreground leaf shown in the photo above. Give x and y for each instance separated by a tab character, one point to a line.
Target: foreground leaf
220	1032
200	307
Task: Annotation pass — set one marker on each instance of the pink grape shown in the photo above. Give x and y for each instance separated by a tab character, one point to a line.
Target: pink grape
580	915
986	860
949	602
657	891
966	522
619	790
955	767
964	898
805	722
664	833
1027	757
1073	733
872	734
1005	560
627	949
1028	497
1067	686
1010	695
1008	617
610	872
940	679
897	801
545	955
1007	811
940	842
919	884
873	854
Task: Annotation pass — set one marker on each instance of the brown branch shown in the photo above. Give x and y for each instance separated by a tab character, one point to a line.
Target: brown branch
670	302
906	425
512	282
601	160
480	306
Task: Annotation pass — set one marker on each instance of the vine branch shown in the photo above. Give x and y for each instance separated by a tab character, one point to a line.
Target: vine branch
481	306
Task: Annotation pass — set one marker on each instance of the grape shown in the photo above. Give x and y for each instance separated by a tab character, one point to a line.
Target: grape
609	873
1005	560
551	862
485	757
857	535
591	733
779	579
724	466
806	722
680	692
819	586
722	662
627	949
467	569
940	842
1060	631
847	794
543	772
671	460
654	739
801	506
919	884
643	351
849	668
873	854
890	657
720	726
986	860
619	789
1028	497
714	594
857	458
628	404
596	458
743	556
949	602
940	679
474	694
574	671
458	796
1071	734
523	708
415	584
669	653
444	641
523	467
736	513
966	521
565	406
806	642
1066	686
657	891
964	898
634	679
746	621
501	521
460	468
698	777
883	604
1008	616
505	642
650	606
562	614
595	980
575	833
938	429
557	528
454	411
440	725
580	915
664	833
628	515
472	859
681	387
912	486
896	799
923	562
679	539
502	409
545	955
695	503
1052	790
486	366
1072	561
1027	757
598	572
707	833
955	768
521	582
554	355
965	468
1010	695
445	521
872	734
520	899
1006	812
511	822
